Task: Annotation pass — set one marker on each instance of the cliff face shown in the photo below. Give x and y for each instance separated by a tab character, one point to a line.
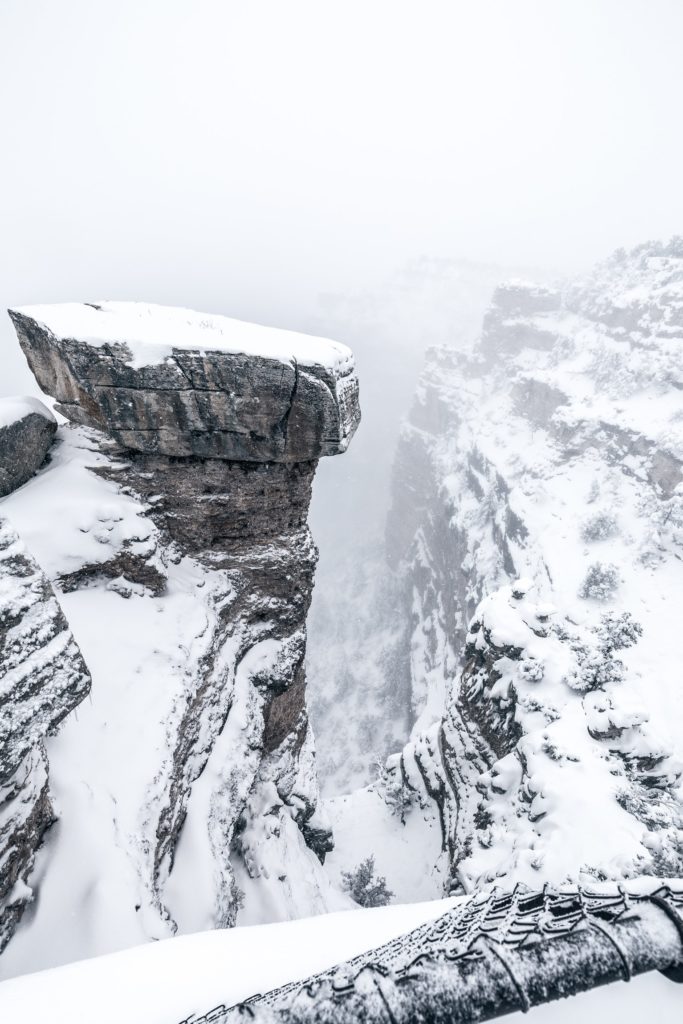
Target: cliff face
42	674
547	735
191	466
43	678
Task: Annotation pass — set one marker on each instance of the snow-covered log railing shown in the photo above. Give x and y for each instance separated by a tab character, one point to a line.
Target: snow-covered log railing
492	954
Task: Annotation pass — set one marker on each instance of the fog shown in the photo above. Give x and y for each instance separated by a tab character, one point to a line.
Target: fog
244	157
251	158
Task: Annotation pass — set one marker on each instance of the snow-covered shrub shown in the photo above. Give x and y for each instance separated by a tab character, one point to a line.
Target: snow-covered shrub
618	631
392	787
665	525
601	581
596	666
236	896
532	670
365	887
599	527
594	670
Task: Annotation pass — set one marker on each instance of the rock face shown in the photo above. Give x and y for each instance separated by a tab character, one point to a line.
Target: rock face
210	431
42	678
553	452
178	383
27	429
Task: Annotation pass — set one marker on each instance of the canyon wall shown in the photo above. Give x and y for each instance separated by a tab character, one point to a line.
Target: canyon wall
537	527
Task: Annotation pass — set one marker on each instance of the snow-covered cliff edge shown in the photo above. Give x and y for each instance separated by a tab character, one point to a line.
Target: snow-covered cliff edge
172	520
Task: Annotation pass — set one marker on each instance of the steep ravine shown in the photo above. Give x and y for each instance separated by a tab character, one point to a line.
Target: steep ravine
547	716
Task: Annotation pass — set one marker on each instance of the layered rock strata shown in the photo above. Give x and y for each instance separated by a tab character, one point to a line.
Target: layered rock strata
42	678
216	427
179	384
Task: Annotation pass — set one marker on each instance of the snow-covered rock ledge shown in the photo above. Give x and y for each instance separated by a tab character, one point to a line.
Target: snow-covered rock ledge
181	486
174	382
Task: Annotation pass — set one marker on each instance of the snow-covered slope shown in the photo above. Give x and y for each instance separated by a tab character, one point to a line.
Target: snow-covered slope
551	453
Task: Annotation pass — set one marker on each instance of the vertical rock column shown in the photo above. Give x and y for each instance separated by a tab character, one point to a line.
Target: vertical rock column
219	425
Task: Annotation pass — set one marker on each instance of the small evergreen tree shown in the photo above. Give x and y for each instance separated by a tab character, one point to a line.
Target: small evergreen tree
596	664
601	581
391	786
618	631
366	888
594	492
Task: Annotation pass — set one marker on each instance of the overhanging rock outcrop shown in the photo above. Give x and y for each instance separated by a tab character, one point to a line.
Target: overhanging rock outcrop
218	426
232	415
173	382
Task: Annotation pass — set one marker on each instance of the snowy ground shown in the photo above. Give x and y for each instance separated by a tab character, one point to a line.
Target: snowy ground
167	981
112	758
408	855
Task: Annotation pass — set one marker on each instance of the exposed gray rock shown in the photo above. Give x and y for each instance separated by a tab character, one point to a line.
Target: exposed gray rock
516	319
211	504
221	447
42	678
217	404
27	429
537	401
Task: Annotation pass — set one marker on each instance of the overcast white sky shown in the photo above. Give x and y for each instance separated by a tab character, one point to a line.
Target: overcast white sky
242	156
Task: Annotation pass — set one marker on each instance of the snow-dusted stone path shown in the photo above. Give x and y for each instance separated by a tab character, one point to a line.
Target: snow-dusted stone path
190	976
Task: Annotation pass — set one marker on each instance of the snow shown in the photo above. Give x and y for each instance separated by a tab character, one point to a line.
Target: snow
567	804
109	755
407	855
111	763
152	332
14	409
168	981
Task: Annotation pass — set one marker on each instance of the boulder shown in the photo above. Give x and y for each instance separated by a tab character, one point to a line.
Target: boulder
27	429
